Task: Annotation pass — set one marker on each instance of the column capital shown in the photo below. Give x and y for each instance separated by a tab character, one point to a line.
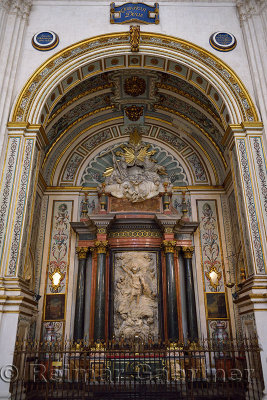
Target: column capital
82	252
101	246
169	246
188	251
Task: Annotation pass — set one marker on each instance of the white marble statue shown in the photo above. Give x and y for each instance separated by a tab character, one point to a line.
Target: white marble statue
135	176
135	294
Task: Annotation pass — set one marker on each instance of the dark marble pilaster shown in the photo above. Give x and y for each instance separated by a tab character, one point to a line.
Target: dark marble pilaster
80	295
172	313
190	293
100	295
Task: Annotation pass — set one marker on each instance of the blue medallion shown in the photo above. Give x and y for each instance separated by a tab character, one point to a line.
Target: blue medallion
46	40
223	41
134	12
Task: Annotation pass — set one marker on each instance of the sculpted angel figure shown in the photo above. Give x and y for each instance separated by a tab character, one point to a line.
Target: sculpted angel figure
138	284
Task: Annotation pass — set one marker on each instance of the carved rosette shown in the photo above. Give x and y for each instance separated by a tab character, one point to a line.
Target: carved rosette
82	252
101	246
188	251
169	246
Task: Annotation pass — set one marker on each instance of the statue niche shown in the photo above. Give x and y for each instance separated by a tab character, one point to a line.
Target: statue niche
135	294
135	176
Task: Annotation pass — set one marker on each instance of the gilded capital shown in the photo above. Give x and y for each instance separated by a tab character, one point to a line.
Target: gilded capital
82	252
188	251
169	246
101	246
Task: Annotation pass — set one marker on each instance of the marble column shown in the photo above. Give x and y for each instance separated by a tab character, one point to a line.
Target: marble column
190	293
172	313
100	295
80	294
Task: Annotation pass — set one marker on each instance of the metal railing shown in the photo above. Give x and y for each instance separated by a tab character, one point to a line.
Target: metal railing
132	369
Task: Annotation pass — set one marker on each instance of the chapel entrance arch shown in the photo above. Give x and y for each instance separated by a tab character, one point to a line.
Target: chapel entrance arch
37	103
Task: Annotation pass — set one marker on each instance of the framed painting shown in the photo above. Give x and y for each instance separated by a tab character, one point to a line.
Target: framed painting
55	307
216	305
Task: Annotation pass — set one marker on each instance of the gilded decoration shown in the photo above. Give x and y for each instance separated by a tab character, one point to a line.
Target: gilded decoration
135	294
25	100
135	176
134	38
214	277
188	251
101	246
135	234
169	246
134	86
95	172
134	112
56	277
82	252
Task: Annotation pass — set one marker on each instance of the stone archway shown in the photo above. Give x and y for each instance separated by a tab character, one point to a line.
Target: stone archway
28	140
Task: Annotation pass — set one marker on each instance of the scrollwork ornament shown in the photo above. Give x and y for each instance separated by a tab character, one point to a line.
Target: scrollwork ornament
188	251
